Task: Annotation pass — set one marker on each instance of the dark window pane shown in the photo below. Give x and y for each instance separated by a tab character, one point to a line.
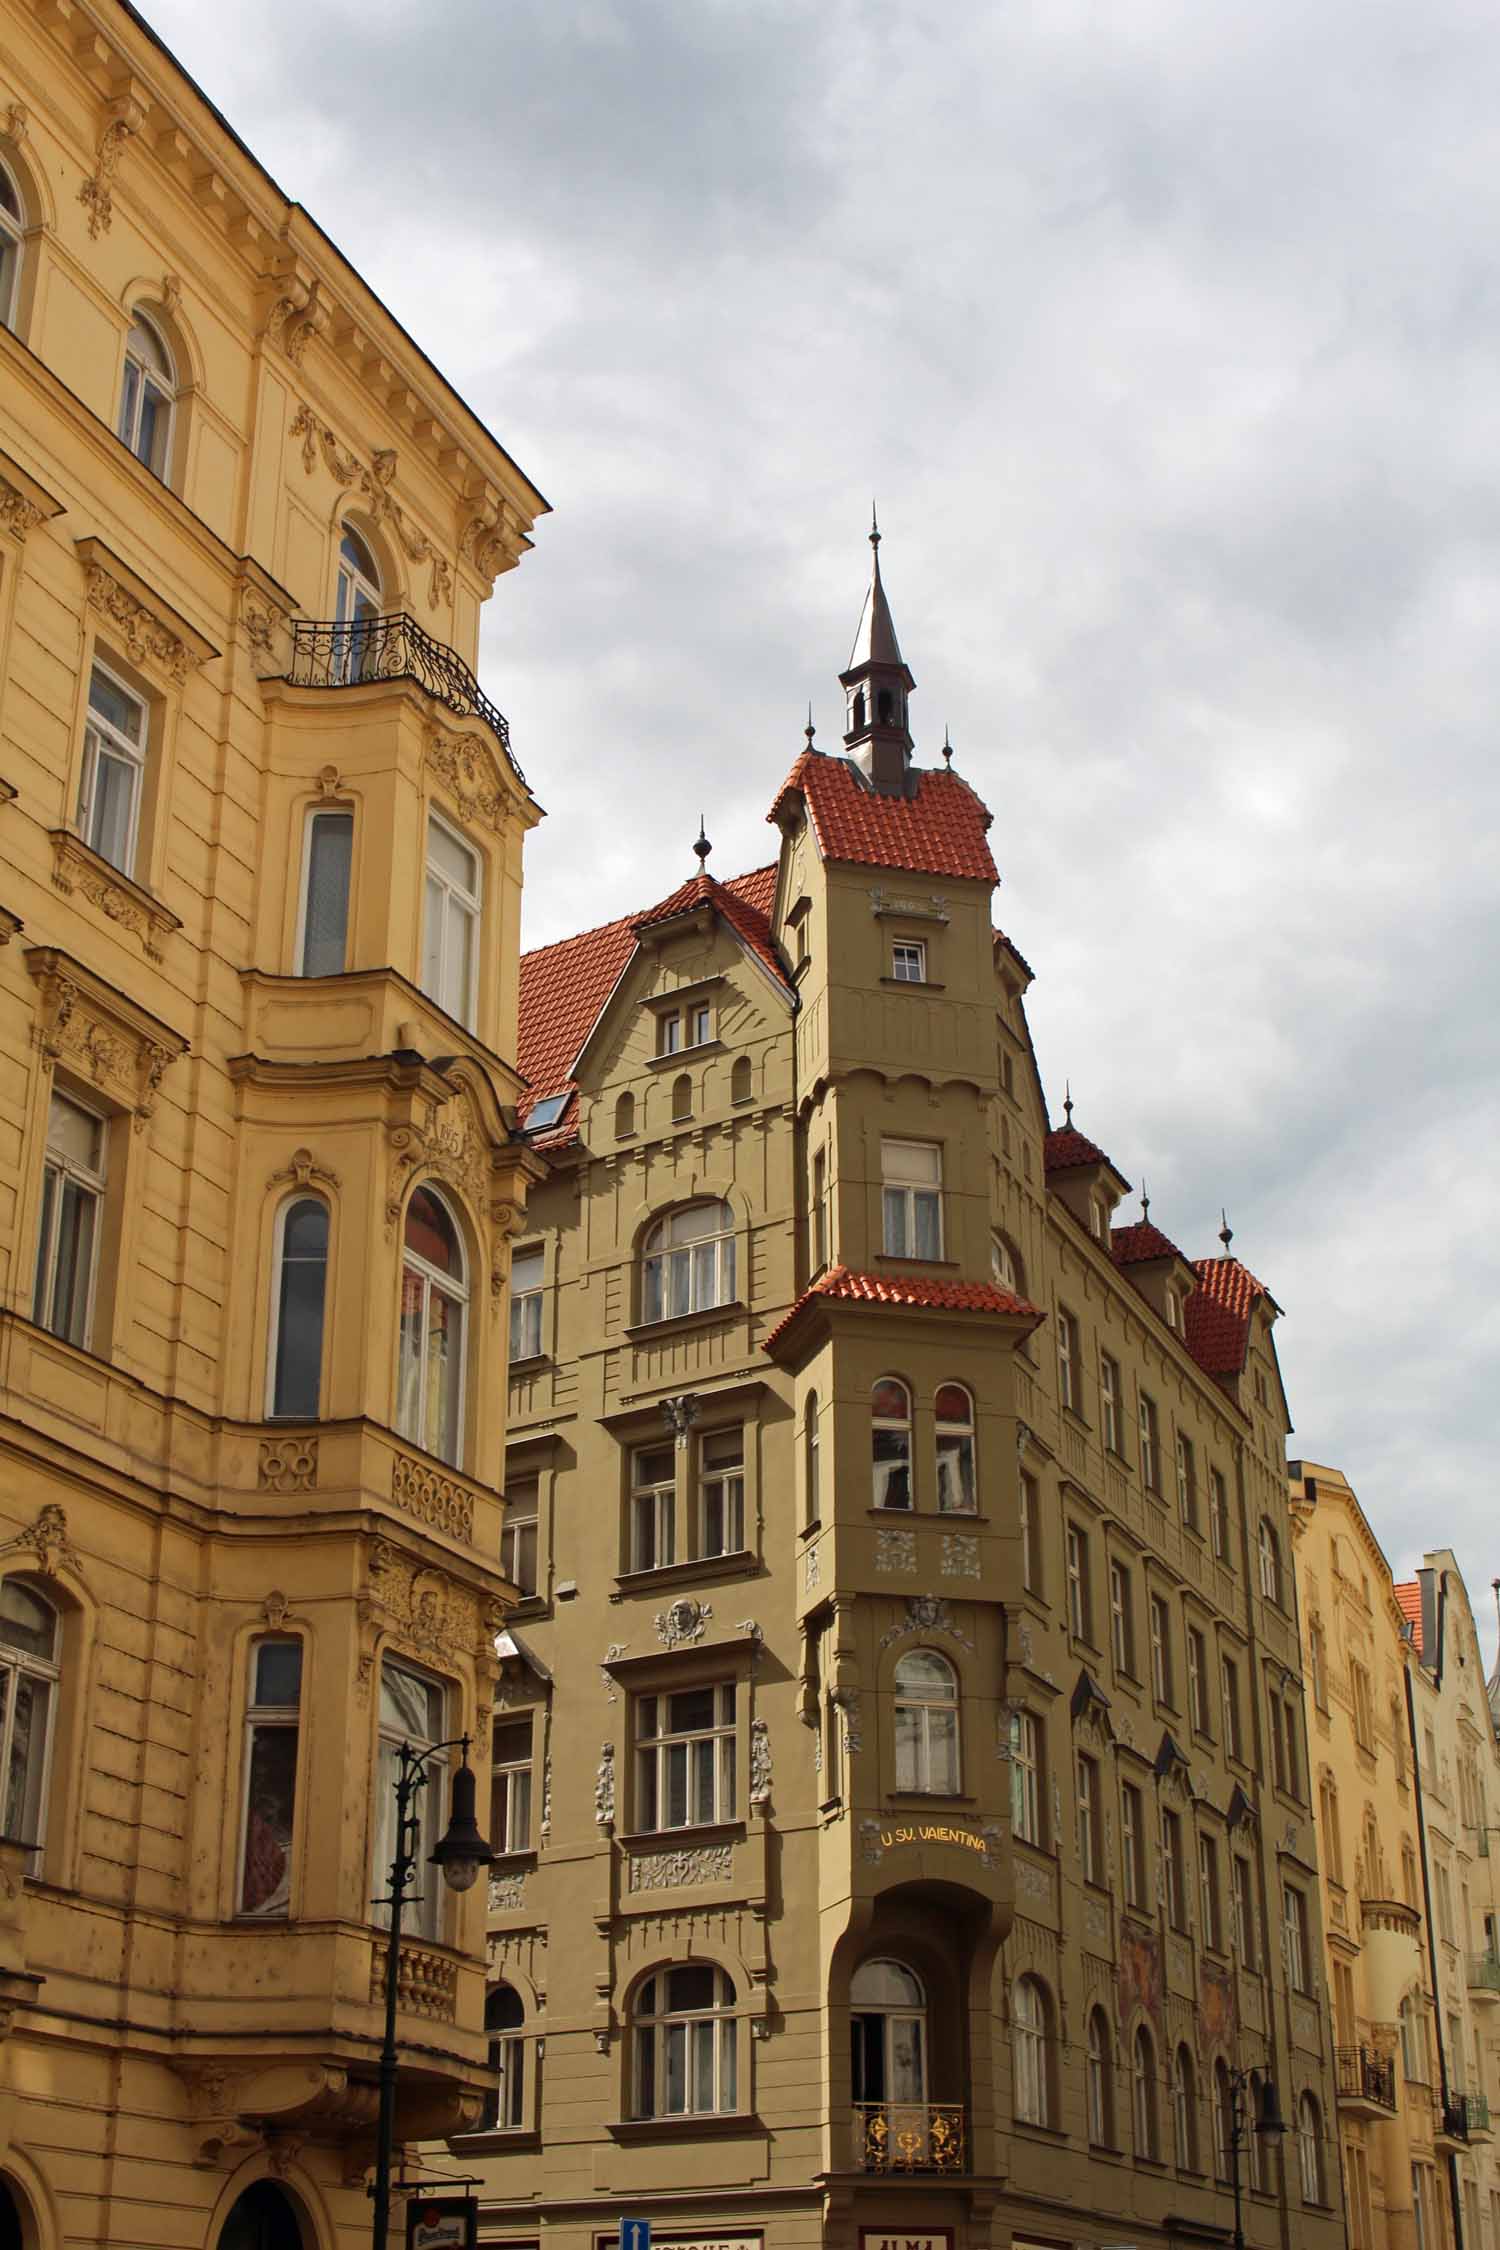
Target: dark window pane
266	1886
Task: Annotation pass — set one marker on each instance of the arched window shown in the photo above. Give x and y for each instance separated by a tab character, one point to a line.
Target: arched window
741	1083
148	396
685	2043
1270	1562
299	1290
1333	1845
30	1651
1310	2148
888	2040
434	1295
357	603
1146	2138
1028	2038
811	1499
12	228
1100	2081
927	1723
505	2108
890	1439
689	1262
263	2218
1184	2112
624	1116
1223	2121
682	1098
957	1491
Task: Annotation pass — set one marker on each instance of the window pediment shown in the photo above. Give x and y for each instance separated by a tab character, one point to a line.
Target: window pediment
23	502
154	634
97	1033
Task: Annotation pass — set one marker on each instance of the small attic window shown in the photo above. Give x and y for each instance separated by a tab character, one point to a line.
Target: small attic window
1099	1218
546	1113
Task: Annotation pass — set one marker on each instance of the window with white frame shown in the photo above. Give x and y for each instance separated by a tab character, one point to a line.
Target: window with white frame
812	1498
511	1753
1067	1360
1133	1843
1121	1618
1160	1618
450	933
691	1025
1210	1904
114	765
328	855
1229	1681
721	1492
1026	1777
688	1262
926	1723
273	1717
1310	2150
957	1488
1090	1819
504	2015
890	1443
518	1537
1218	1514
911	1175
148	396
1109	1402
1146	2137
526	1268
888	2038
653	1507
1005	1265
434	1301
684	2049
1150	1445
1269	1554
1080	1606
358	602
12	233
298	1296
30	1673
1029	2013
413	1709
685	1758
1187	1481
1184	2111
72	1220
909	961
1197	1680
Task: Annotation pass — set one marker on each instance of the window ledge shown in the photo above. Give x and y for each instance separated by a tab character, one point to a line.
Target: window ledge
913	984
641	1331
658	1839
530	1605
1034	2131
743	1563
513	1863
809	1528
930	1797
685	1054
904	1258
530	1363
499	2140
704	2125
926	1515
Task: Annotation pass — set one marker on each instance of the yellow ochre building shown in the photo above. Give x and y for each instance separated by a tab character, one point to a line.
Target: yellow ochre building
260	868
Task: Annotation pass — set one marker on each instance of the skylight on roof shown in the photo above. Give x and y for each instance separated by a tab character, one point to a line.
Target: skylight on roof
547	1112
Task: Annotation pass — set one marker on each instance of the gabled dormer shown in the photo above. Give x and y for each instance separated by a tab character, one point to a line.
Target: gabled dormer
1164	1277
1080	1175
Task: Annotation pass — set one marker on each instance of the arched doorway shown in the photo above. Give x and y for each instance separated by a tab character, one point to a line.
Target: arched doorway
263	2218
12	2228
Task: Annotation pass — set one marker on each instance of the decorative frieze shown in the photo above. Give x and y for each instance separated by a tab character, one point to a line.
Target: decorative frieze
958	1555
895	1551
507	1892
425	1493
287	1465
659	1871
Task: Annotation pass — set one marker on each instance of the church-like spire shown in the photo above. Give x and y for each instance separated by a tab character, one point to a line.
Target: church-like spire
876	686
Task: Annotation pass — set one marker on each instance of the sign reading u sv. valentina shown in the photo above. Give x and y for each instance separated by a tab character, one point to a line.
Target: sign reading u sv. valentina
877	1837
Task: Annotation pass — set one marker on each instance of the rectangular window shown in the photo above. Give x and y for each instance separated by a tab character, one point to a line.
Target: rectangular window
1031	1561
1229	1680
272	1725
1025	1777
1173	1871
1109	1403
700	1023
510	1791
721	1469
820	1210
526	1302
323	949
1197	1678
450	943
1210	1911
518	1554
909	961
1218	1514
1133	1844
1150	1445
1078	1583
912	1199
1444	1894
1419	2211
114	762
1285	1763
653	1508
669	1034
684	1763
1187	1481
1090	1841
1161	1649
1121	1619
1245	1944
72	1220
1359	1689
1067	1361
412	1710
1294	1929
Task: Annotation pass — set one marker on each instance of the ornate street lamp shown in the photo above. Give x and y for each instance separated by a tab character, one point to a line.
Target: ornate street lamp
460	1855
1269	2124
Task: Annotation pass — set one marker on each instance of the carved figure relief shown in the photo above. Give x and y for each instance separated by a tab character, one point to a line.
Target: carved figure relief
604	1788
685	1622
47	1539
760	1762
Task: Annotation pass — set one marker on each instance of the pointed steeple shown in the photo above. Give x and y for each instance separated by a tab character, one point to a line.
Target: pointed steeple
876	686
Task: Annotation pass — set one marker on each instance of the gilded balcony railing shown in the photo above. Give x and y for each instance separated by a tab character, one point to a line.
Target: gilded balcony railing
1365	2076
393	646
909	2136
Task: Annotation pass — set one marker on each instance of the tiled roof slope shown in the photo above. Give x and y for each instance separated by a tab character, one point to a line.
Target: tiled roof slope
909	1290
1409	1595
1131	1245
1217	1317
938	830
1066	1148
564	986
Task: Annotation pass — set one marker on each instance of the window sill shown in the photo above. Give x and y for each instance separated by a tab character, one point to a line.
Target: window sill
529	1365
926	1515
742	1564
686	1055
642	1331
713	1832
1034	2131
705	2125
499	2140
530	1605
929	1797
913	984
907	1258
514	1863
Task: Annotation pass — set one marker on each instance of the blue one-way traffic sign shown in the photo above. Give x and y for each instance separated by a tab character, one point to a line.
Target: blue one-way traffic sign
635	2234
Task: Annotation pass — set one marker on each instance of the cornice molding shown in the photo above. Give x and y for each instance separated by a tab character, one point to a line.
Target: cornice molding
154	633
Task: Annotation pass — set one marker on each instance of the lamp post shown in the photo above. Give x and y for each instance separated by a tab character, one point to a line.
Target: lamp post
460	1855
1270	2125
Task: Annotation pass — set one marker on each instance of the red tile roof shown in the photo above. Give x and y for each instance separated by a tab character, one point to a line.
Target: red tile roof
1129	1246
1066	1149
564	986
999	938
938	830
909	1291
1409	1595
1217	1318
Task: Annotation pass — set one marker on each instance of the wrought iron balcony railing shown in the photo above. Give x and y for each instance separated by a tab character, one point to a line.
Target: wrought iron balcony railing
1476	2112
1484	1974
393	647
909	2136
1452	2118
1365	2076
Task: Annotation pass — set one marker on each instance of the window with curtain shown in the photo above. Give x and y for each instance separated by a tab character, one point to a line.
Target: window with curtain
450	933
721	1492
511	1752
526	1302
273	1724
684	2049
688	1262
72	1220
30	1674
1029	2013
888	2036
926	1716
685	1758
114	765
434	1301
327	858
504	2015
300	1288
912	1199
518	1540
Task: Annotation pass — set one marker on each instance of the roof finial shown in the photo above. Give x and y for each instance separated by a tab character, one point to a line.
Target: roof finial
1068	1099
1145	1199
702	848
1226	1231
947	749
874	530
809	730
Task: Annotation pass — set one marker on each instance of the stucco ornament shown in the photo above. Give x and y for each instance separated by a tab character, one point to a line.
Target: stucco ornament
604	1788
926	1613
760	1762
895	1551
46	1537
685	1622
710	1863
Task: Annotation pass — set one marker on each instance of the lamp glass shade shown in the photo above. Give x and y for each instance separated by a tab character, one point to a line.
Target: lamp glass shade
464	1849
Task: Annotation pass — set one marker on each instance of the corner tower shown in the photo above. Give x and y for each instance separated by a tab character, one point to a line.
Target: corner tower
876	685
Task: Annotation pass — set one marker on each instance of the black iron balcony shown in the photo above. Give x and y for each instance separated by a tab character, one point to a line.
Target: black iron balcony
1366	2082
1451	2119
909	2136
393	647
1475	2111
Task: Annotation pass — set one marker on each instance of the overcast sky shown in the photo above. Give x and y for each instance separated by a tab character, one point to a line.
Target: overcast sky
1167	333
